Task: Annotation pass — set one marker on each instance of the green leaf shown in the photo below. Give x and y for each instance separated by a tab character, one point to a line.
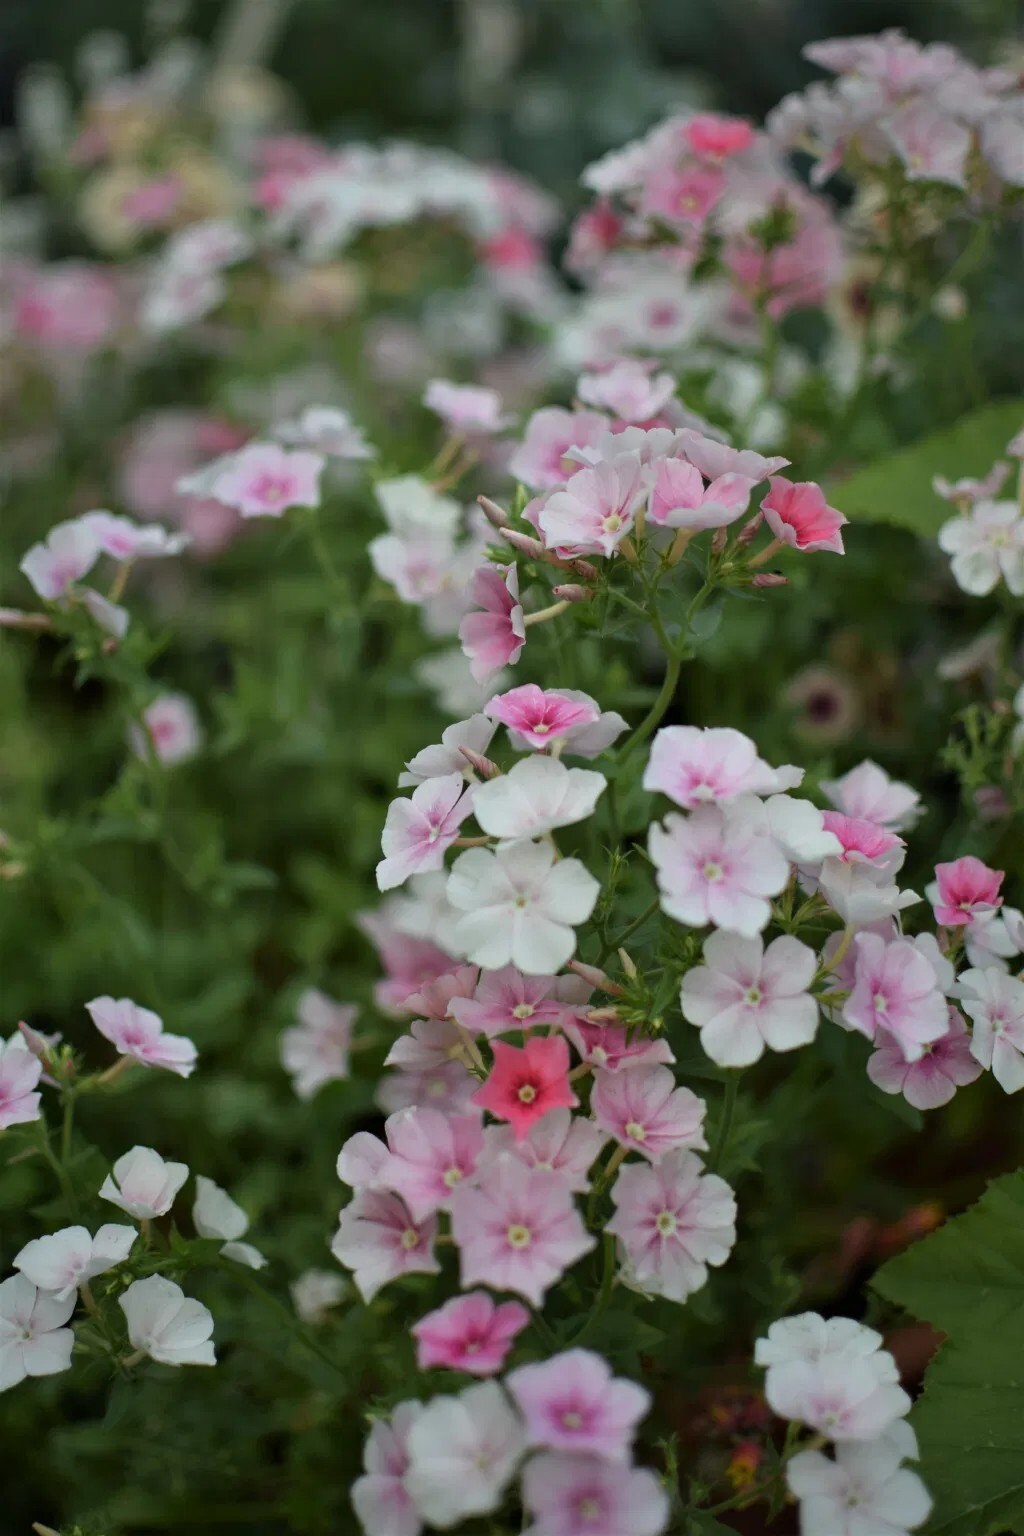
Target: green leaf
897	489
967	1280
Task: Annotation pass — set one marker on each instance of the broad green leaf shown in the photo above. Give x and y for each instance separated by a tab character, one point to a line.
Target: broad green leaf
897	489
967	1280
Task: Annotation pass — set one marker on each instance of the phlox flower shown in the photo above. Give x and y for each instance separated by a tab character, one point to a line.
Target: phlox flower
833	1376
540	461
466	408
573	1495
993	940
537	795
33	1338
446	674
687	195
641	1108
378	1241
597	509
714	458
411	507
328	430
517	1229
143	1184
215	1214
64	1260
610	1047
745	997
559	1142
463	1452
380	1497
629	389
69	553
716	866
419	830
995	1004
435	998
124	540
315	1050
895	990
798	514
717	136
109	616
315	1293
431	1071
864	842
693	765
862	893
430	1153
264	480
808	1336
680	499
964	891
931	144
526	1082
945	1065
20	1071
985	544
170	730
139	1033
572	1402
492	636
868	794
436	762
506	1000
672	1220
541	716
469	1333
166	1324
969	489
864	1492
418	565
520	905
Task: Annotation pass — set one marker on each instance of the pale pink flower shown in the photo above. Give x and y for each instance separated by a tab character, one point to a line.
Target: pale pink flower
506	1000
33	1338
931	144
435	998
517	1229
692	765
520	906
862	893
466	408
798	514
969	489
463	1452
745	997
430	1153
845	1397
69	553
327	430
680	499
68	306
143	1184
868	794
597	508
170	730
537	795
683	195
469	1333
717	866
672	1220
493	635
572	1402
572	1495
715	459
264	480
380	1497
894	989
987	544
412	507
378	1241
435	762
167	1325
540	462
995	939
864	1492
419	830
432	1071
315	1050
610	1047
139	1033
995	1004
216	1215
560	1142
124	540
64	1260
932	1080
808	1337
315	1294
642	1109
20	1071
964	892
629	389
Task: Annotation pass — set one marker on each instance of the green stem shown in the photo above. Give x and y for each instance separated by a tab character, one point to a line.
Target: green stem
604	1295
63	1178
628	932
654	715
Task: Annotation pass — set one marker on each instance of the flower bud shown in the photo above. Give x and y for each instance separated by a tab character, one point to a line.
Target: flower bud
769	579
483	765
494	514
526	546
749	530
572	592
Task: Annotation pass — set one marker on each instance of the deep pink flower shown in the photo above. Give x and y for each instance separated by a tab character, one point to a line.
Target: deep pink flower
378	1241
693	765
430	1154
493	635
507	1000
894	989
541	716
469	1333
798	514
264	480
597	508
139	1033
419	830
572	1402
641	1107
560	1143
680	499
672	1220
526	1082
581	1496
717	136
864	842
932	1080
717	866
965	890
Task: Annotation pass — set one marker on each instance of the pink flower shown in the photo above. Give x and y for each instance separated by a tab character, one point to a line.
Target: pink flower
315	1050
469	1333
430	1154
597	509
20	1071
864	842
641	1107
139	1033
70	552
609	1047
419	830
932	1080
520	906
693	765
995	1004
435	998
493	636
142	1184
68	306
466	408
378	1241
865	1489
572	1402
527	1082
672	1220
124	540
680	499
715	459
172	728
868	793
717	136
506	1000
380	1497
799	515
685	196
64	1260
965	891
716	866
430	1073
540	462
540	716
264	480
629	389
894	989
745	997
559	1143
581	1496
517	1230
932	145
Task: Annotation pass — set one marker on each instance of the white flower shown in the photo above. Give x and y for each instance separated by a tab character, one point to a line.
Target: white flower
412	506
862	893
315	1292
995	1003
476	733
215	1214
864	1492
166	1324
520	906
142	1184
799	829
33	1339
537	795
832	1375
868	793
71	1257
462	1454
745	997
986	544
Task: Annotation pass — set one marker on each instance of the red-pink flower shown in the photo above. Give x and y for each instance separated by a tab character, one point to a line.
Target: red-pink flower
526	1082
540	715
717	136
469	1333
418	830
863	842
798	514
493	635
641	1107
517	1229
963	891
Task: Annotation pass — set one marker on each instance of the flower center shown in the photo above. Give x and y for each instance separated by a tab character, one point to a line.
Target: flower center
572	1420
410	1239
518	1236
612	523
452	1177
666	1223
522	1011
527	1093
753	996
712	871
880	1002
541	728
635	1131
588	1509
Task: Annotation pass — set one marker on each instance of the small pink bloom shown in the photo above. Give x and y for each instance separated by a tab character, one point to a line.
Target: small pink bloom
124	540
419	830
507	1000
932	145
378	1241
715	459
430	1154
685	196
894	989
469	1333
315	1050
798	514
493	635
540	462
717	866
20	1071
995	1004
33	1338
868	793
466	408
64	1260
581	1496
540	715
608	1047
693	765
154	202
717	136
641	1107
172	728
527	1082
932	1080
863	842
559	1143
597	508
672	1220
139	1033
435	999
629	389
68	306
965	891
680	499
263	480
513	250
594	233
843	1396
380	1497
572	1402
745	997
70	552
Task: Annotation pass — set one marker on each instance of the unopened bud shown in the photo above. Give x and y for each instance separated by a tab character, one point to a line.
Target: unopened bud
626	961
593	976
719	541
522	541
769	579
493	513
572	592
749	530
582	568
483	765
603	1016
